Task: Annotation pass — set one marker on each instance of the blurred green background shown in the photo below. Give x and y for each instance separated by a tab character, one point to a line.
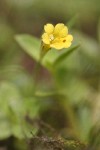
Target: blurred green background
78	75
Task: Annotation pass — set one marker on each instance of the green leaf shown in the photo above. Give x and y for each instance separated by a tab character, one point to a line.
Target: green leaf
10	98
5	128
54	57
65	55
30	44
10	108
89	46
31	106
50	57
85	114
13	109
72	21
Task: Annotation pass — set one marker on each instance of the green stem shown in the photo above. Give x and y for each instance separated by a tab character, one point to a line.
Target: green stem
71	116
36	75
43	51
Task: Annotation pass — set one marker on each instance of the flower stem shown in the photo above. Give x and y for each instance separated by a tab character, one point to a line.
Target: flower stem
71	116
43	51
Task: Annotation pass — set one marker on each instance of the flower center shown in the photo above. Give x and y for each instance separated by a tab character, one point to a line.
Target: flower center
64	41
51	37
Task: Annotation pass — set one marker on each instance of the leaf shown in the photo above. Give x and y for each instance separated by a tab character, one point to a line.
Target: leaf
85	114
72	21
22	129
5	128
30	44
53	56
10	108
89	46
50	57
31	106
65	55
10	98
13	109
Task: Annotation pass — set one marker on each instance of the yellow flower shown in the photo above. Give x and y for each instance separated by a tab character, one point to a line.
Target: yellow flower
56	36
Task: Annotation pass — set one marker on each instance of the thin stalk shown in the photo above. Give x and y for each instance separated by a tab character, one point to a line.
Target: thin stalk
71	116
43	51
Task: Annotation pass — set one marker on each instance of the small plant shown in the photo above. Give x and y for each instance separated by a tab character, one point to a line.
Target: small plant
51	111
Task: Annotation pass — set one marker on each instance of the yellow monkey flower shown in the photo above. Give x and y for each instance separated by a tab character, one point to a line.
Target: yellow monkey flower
56	36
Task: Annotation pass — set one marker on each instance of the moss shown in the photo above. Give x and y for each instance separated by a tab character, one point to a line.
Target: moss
48	143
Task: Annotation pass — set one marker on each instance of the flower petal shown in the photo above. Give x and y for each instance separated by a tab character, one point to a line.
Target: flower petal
63	32
58	45
69	38
58	28
45	38
67	44
68	41
49	28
